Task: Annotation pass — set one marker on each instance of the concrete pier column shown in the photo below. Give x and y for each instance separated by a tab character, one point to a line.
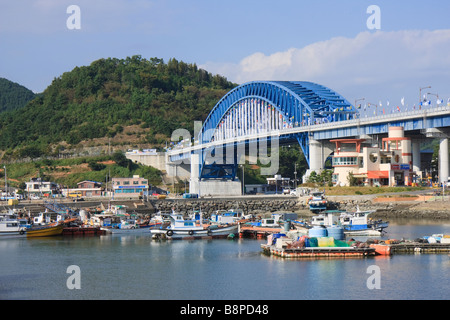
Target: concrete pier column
443	160
315	156
316	160
194	185
416	157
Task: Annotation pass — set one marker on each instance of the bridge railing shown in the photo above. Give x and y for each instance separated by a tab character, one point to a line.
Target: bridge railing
320	126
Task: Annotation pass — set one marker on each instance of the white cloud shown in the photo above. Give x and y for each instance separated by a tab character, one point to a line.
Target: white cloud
385	61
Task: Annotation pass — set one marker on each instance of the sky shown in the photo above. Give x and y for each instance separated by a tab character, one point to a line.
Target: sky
330	42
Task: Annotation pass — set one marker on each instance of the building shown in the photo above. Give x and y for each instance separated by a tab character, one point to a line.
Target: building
388	164
129	187
277	183
89	188
41	188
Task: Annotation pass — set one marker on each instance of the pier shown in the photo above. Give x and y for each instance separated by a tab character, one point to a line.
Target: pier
318	252
416	247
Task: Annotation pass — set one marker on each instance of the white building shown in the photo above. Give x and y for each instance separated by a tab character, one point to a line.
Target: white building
38	187
389	164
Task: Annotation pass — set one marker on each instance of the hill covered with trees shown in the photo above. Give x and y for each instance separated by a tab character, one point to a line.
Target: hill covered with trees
109	95
13	96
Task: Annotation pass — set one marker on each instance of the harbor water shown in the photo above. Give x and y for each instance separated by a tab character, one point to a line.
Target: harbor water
137	267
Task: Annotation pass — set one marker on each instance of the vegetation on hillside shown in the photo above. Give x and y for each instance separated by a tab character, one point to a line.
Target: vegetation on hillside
101	99
68	172
13	96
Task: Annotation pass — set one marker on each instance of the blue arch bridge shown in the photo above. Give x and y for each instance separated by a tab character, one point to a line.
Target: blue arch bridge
251	121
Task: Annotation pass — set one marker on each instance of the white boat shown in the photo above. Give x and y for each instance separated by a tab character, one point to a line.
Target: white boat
231	216
11	228
354	223
180	228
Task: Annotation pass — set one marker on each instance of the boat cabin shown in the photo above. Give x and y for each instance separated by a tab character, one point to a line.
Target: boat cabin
327	218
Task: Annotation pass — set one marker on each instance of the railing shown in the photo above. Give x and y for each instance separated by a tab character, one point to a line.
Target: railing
424	113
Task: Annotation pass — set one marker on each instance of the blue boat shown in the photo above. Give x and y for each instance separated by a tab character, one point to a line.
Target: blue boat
317	202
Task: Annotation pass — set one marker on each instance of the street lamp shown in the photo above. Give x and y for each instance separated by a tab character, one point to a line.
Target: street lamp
434	94
243	182
420	92
6	184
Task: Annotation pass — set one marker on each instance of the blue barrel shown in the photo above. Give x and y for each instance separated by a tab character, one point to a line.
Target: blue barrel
317	232
336	232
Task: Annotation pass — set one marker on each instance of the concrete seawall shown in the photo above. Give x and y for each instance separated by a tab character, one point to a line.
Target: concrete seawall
263	206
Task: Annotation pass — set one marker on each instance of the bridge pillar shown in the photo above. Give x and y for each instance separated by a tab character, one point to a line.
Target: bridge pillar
318	153
443	160
194	186
416	158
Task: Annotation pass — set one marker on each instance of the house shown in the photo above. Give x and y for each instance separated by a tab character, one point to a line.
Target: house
129	187
388	164
38	187
89	188
277	183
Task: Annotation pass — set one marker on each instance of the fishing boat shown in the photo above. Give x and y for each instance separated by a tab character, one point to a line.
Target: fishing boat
228	216
180	228
46	230
358	223
127	226
317	202
11	228
355	223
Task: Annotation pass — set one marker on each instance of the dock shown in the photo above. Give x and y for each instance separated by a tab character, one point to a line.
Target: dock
416	247
246	231
82	231
318	252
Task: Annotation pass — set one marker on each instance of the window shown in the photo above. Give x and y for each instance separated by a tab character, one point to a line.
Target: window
126	182
345	161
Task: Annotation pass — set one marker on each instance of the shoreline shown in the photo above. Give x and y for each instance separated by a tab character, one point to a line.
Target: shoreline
386	207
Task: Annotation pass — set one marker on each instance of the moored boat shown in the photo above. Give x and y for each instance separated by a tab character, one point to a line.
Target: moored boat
46	230
317	202
180	228
355	223
11	228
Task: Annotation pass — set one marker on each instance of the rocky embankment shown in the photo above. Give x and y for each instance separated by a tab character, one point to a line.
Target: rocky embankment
386	209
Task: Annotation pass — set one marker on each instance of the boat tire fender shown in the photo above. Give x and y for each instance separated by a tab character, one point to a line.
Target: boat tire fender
21	232
191	232
169	232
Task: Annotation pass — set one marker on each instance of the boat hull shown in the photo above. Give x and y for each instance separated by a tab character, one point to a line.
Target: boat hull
45	231
126	231
12	234
221	232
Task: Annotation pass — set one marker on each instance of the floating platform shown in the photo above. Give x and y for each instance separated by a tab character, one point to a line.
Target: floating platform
417	247
318	252
253	232
83	231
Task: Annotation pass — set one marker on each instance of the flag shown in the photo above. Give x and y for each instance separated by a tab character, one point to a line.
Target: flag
403	101
398	108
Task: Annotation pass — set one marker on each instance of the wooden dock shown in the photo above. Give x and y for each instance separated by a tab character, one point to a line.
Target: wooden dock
318	252
82	231
246	231
416	247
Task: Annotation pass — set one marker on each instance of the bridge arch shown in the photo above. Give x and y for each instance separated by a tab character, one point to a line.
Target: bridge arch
266	106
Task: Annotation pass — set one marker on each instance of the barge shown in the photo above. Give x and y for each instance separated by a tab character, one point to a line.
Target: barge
318	252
